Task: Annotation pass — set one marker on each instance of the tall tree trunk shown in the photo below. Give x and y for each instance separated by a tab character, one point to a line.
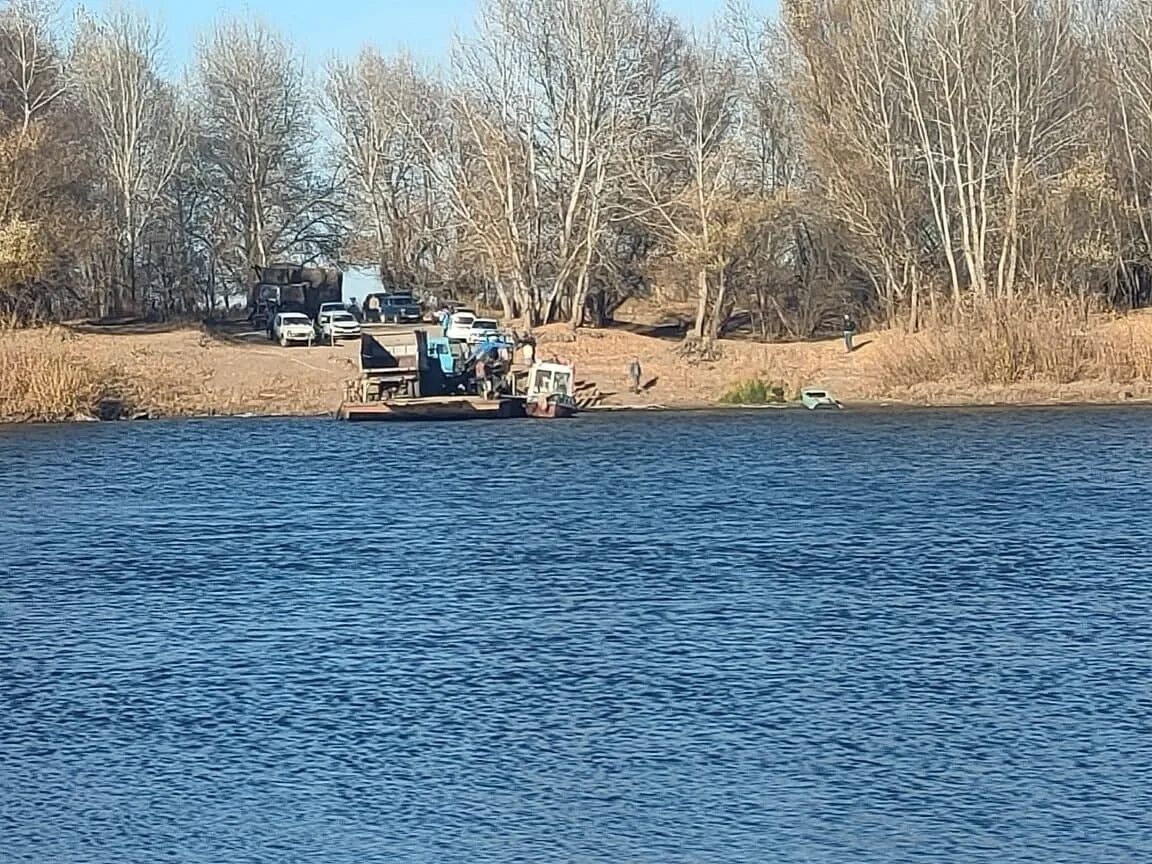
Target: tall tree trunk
719	319
701	302
579	301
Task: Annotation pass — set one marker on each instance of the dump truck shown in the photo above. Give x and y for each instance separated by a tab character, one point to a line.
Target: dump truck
395	364
292	288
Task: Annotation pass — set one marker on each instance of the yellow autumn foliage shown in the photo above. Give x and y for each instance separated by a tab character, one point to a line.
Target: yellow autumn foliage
23	253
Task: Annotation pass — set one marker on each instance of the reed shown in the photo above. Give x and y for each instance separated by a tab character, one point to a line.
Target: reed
43	382
1048	340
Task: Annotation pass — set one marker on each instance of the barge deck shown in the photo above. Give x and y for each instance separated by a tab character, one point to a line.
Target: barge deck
432	408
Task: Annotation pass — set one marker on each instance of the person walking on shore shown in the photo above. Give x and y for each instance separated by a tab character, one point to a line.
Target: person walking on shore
849	331
634	373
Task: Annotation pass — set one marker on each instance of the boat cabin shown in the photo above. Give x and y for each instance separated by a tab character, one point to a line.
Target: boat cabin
548	379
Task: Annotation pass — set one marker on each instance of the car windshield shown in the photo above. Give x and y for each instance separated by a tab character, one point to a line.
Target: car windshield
294	319
462	319
342	317
399	300
483	324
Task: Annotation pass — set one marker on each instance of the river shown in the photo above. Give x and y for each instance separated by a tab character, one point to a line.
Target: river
780	636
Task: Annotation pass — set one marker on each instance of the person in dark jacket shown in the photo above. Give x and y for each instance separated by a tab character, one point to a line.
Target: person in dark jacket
849	331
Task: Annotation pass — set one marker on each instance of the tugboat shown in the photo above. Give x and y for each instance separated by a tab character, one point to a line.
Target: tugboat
550	389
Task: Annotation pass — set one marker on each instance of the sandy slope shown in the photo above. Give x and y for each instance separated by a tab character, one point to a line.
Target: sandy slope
186	371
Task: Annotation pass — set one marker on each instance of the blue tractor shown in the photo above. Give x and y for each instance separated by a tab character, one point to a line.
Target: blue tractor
454	368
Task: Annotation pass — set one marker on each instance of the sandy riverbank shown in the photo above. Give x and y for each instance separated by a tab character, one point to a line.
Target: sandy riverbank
186	371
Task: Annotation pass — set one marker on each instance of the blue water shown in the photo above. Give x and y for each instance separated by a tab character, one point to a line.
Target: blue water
775	637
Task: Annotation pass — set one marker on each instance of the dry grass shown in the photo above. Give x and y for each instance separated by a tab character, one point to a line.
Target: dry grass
1000	343
53	385
51	374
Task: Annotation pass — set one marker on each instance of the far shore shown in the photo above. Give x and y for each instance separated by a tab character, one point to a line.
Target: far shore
186	371
871	407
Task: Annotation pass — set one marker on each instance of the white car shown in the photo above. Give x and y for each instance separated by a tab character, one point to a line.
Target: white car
342	325
293	327
330	307
481	329
460	325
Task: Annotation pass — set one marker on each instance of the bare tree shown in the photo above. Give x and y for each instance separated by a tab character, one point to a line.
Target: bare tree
30	57
544	100
371	103
766	63
139	130
1124	31
259	147
684	168
858	134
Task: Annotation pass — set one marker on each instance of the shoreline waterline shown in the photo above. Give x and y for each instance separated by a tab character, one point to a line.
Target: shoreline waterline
877	406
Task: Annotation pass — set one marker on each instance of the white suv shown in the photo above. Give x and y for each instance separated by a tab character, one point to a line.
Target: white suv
481	329
459	325
293	327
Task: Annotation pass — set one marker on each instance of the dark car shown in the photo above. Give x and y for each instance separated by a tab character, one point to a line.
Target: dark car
394	307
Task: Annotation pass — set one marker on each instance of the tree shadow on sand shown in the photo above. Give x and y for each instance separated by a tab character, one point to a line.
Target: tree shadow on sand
130	326
672	331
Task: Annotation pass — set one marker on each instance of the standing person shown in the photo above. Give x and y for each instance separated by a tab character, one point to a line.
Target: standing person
529	353
849	330
634	373
373	308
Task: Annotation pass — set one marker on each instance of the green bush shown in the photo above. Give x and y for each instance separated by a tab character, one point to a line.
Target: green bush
753	391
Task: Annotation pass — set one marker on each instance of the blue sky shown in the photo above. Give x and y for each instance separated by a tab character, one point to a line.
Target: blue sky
324	27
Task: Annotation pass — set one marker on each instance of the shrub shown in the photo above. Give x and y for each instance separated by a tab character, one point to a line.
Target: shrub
753	391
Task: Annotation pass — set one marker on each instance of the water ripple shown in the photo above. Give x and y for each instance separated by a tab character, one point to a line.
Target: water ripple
777	637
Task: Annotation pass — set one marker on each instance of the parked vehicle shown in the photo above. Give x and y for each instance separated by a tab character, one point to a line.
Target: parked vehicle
290	327
330	307
395	308
460	325
385	308
393	364
288	287
482	329
337	324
